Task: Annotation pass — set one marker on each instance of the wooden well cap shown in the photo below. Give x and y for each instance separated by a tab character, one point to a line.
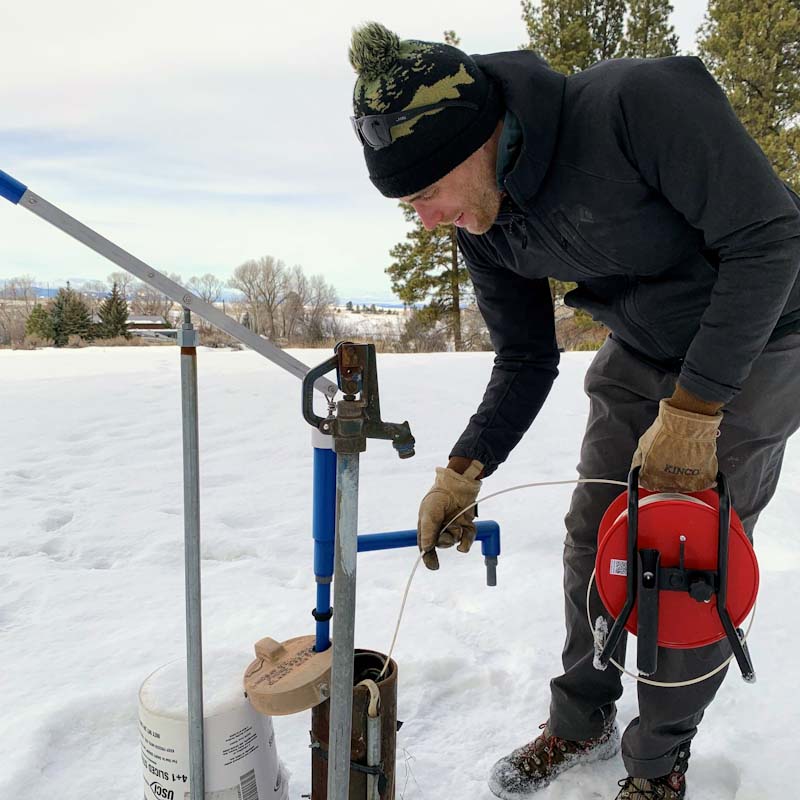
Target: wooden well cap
289	677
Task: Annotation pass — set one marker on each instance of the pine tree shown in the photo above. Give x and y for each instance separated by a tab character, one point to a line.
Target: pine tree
70	316
606	25
574	34
39	323
429	269
753	49
648	32
113	313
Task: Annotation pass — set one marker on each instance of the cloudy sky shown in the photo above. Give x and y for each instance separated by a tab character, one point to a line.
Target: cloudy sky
198	135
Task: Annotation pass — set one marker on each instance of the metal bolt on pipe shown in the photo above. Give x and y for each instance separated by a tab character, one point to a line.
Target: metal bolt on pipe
187	339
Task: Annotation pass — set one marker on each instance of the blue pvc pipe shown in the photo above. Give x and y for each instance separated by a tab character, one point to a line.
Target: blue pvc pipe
324	529
324	533
10	188
488	536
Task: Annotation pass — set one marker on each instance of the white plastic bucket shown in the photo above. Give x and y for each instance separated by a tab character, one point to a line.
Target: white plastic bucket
241	761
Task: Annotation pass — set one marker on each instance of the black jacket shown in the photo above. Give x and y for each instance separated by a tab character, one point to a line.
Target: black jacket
637	181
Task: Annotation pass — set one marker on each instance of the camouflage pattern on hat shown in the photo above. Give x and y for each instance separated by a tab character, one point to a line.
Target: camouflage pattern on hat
403	74
399	75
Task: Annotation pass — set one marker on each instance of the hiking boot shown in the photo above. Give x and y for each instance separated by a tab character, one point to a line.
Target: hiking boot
535	764
667	787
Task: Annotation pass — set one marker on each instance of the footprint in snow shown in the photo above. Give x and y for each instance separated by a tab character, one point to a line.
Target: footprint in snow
240	520
56	519
22	474
70	736
171	511
214	481
54	549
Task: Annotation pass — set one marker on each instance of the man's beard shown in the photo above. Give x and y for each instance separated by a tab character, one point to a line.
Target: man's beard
486	214
487	201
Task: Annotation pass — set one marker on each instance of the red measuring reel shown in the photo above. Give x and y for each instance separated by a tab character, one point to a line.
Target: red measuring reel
677	570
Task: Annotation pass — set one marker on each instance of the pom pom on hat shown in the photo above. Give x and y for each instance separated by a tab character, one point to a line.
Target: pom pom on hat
396	75
373	50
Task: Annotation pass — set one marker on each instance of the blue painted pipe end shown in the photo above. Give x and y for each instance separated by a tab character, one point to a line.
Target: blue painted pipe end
10	188
488	534
489	537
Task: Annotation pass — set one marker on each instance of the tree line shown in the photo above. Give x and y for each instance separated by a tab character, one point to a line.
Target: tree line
752	47
282	304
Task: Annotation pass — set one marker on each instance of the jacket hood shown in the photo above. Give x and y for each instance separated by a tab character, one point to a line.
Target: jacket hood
534	93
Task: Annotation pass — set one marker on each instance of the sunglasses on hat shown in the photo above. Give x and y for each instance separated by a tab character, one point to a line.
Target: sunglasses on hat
375	130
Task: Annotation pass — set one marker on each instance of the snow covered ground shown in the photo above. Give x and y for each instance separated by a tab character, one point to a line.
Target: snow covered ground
91	574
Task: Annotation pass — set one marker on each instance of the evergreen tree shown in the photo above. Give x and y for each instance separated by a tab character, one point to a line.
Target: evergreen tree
70	316
606	25
648	32
113	313
753	49
574	34
429	269
39	323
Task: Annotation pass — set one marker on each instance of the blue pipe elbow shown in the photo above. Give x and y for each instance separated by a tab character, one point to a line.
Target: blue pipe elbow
10	188
489	537
488	534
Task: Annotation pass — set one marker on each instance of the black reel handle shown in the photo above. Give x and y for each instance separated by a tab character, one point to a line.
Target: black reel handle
643	584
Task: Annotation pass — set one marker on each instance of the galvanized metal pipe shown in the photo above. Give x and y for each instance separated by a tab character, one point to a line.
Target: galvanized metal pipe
191	527
19	194
373	756
344	588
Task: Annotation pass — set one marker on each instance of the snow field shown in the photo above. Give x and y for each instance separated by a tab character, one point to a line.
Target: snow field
91	574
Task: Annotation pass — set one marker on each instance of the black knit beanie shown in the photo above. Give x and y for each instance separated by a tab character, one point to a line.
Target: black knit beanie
399	75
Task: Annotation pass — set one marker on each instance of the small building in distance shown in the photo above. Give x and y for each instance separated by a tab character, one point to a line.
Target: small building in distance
150	327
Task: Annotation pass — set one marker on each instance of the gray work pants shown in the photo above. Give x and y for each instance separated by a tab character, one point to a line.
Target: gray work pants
624	392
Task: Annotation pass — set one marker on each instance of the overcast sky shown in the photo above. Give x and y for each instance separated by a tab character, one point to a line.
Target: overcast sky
198	135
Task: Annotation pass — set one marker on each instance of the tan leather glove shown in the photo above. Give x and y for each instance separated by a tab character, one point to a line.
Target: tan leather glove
449	494
678	452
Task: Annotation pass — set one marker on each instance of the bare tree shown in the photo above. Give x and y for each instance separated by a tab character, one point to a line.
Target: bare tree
150	302
92	293
293	309
124	280
264	284
274	286
20	288
245	280
319	319
207	287
17	299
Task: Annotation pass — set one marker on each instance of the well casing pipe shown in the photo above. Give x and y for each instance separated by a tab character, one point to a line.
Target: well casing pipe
344	587
191	527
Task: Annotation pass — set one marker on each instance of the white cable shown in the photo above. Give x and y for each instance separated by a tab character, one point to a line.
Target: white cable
400	616
528	486
649	681
467	508
588	590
